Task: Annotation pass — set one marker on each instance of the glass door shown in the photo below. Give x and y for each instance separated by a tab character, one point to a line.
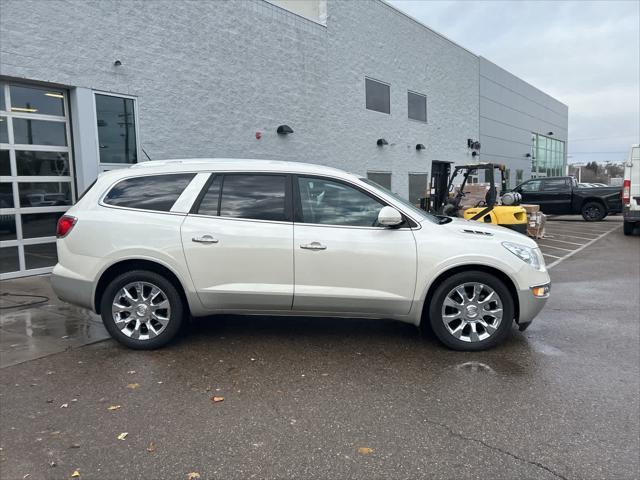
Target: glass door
36	176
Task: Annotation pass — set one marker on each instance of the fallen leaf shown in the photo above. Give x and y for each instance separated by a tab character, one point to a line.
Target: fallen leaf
123	435
26	476
76	473
49	401
193	476
160	383
64	405
217	399
152	447
131	372
133	386
53	464
75	445
365	451
114	407
74	399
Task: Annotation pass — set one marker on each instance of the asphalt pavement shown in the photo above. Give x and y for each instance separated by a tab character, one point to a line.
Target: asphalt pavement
336	398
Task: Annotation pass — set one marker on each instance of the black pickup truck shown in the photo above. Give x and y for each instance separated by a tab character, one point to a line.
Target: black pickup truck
562	196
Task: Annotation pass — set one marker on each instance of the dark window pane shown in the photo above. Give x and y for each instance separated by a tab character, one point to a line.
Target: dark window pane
36	100
39	256
116	129
558	185
381	178
260	197
9	259
378	96
44	194
5	163
39	132
4	136
209	204
155	192
334	203
6	195
2	104
42	163
417	106
40	224
532	186
7	227
418	187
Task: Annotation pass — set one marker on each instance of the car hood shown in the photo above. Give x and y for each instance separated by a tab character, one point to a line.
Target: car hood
466	228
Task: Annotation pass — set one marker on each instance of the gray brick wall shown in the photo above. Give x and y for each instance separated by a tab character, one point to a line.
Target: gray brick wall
209	74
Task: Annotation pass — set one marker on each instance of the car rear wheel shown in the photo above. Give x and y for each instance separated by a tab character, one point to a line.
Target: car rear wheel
142	309
593	211
471	311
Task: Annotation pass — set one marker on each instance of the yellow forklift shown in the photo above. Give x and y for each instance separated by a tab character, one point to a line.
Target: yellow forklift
503	209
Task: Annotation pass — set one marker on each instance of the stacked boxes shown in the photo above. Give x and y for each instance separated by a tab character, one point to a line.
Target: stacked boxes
536	220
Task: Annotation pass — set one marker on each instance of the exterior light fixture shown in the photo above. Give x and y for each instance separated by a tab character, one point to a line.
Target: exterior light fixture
381	142
117	63
284	130
420	146
474	154
549	133
528	155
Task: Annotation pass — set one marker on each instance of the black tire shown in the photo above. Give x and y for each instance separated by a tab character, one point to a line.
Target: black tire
593	212
627	227
172	295
437	300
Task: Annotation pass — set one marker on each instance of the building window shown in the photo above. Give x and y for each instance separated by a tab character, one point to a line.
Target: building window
418	187
116	120
417	106
548	156
519	177
381	178
378	96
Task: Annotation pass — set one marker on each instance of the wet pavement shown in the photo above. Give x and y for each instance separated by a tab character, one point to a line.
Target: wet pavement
307	398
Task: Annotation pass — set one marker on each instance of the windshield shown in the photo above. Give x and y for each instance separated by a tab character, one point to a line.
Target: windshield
415	211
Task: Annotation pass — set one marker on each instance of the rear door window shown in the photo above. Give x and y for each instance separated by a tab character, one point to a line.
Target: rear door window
254	196
152	192
555	185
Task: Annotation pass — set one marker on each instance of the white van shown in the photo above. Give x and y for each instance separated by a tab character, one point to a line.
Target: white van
631	190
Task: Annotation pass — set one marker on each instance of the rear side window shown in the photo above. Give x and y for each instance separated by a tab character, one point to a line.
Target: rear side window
154	192
259	197
556	185
532	186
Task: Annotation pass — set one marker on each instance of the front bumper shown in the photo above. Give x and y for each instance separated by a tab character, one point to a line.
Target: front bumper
70	289
530	305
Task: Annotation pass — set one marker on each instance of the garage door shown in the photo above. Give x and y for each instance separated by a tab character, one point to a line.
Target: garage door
36	176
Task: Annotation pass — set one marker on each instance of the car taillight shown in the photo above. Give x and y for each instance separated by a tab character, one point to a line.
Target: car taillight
626	191
65	224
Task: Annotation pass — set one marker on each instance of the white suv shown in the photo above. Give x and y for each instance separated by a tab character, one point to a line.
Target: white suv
150	245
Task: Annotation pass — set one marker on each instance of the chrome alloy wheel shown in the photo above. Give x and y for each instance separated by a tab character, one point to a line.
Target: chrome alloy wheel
472	312
141	310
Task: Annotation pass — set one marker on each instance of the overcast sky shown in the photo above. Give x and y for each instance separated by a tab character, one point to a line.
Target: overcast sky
584	53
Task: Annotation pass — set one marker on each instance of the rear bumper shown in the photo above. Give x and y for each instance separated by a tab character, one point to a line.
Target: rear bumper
72	290
530	306
631	215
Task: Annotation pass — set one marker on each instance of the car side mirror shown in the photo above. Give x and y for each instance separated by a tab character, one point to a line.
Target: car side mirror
389	217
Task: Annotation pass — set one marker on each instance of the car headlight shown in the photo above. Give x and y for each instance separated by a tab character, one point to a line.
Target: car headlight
527	254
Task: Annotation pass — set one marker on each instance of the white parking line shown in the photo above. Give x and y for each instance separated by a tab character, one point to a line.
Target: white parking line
551	239
557	248
582	247
572	236
549	255
581	233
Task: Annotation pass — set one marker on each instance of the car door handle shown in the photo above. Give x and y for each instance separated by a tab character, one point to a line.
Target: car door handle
205	239
314	246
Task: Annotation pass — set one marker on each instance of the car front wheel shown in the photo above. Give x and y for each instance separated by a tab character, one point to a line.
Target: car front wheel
142	309
471	311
